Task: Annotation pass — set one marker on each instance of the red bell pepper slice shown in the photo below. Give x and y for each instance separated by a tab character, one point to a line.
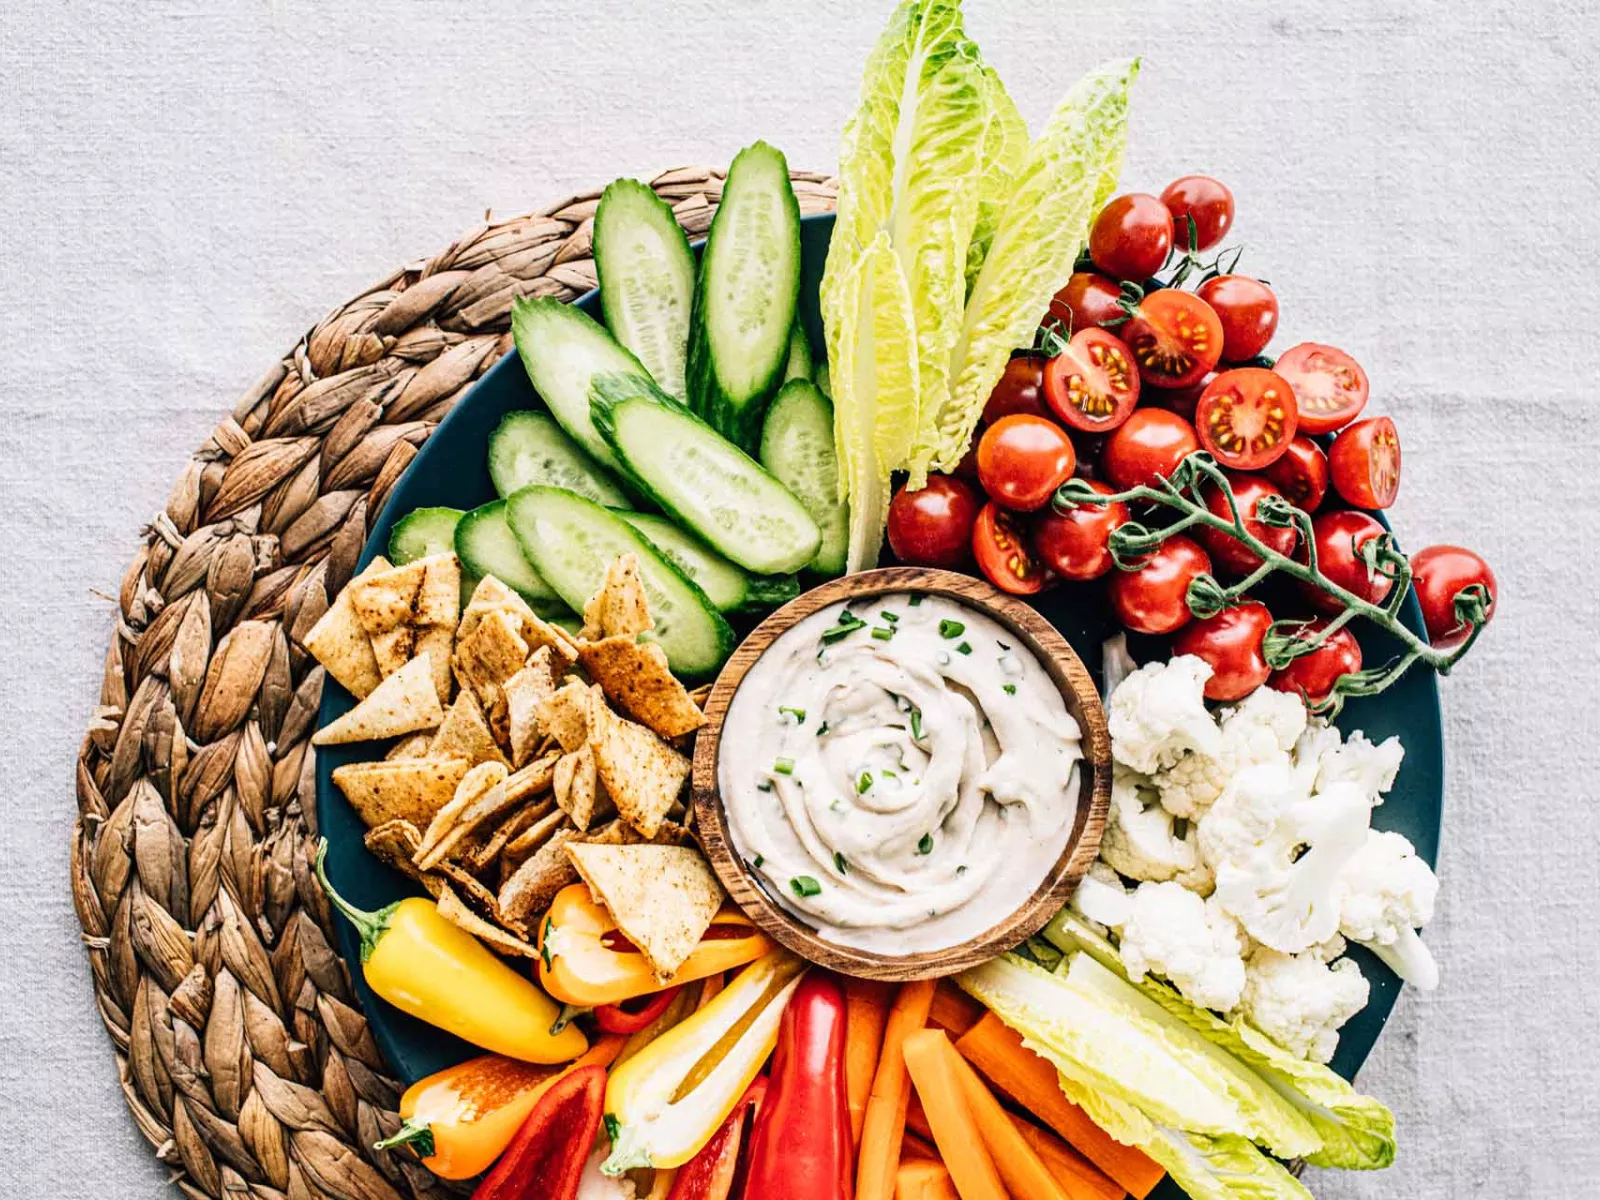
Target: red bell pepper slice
801	1147
632	1015
545	1160
711	1174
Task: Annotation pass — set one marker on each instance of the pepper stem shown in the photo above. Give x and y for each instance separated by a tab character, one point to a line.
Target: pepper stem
370	925
628	1152
416	1134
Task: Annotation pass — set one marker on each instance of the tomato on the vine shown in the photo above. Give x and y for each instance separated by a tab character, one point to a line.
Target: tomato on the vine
1248	310
1246	418
1439	572
1092	385
1175	338
1205	199
1001	547
1022	460
1365	462
1087	302
1301	474
932	527
1020	389
1148	445
1313	675
1228	552
1154	597
1075	544
1131	237
1339	536
1330	388
1231	643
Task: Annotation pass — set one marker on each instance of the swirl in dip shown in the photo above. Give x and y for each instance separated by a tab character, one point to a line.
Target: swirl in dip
899	772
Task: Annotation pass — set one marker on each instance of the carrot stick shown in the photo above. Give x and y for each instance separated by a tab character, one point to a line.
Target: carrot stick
997	1050
1021	1169
885	1121
953	1010
913	1147
1079	1177
930	1060
866	1007
924	1179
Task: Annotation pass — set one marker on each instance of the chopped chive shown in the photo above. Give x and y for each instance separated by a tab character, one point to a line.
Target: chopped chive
822	729
784	766
889	616
951	629
888	774
544	943
757	861
964	648
916	724
764	786
836	805
804	885
848	624
925	846
915	602
840	864
864	782
799	714
962	869
1009	689
883	633
1001	644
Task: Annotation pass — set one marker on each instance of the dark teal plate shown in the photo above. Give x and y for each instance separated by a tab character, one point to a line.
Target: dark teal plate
451	470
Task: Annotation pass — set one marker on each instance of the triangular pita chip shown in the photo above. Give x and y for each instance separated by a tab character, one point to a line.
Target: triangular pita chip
403	703
643	774
407	789
488	656
565	716
453	909
527	892
465	734
480	797
487	852
635	677
342	646
533	779
577	788
438	643
438	599
534	837
415	746
491	595
394	842
620	608
525	692
661	897
385	600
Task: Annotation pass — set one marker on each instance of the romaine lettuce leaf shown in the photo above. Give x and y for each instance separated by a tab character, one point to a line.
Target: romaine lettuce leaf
1005	146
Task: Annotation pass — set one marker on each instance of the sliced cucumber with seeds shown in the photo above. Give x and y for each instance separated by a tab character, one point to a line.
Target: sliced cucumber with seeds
797	447
745	302
799	364
486	546
529	447
730	588
562	348
646	279
571	541
703	480
423	532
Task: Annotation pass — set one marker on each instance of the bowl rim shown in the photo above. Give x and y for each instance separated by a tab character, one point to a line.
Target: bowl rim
1082	844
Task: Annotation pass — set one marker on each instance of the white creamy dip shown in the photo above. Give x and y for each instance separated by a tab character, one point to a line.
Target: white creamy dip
901	784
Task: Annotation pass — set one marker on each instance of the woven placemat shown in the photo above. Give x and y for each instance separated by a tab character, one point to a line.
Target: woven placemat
241	1051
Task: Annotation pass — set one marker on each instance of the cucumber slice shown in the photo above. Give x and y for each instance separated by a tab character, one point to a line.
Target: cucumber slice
823	380
529	447
572	541
562	348
744	305
486	546
798	365
422	532
797	446
725	585
710	485
646	279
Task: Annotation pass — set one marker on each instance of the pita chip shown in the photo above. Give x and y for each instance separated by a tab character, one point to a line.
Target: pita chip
438	643
661	897
565	716
535	778
577	788
341	645
438	599
635	677
453	909
491	595
641	772
465	734
488	656
479	797
486	853
412	790
394	843
620	608
415	746
403	703
528	890
525	692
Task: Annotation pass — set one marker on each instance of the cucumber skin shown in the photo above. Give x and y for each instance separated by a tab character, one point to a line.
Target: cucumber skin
799	363
606	490
544	602
758	592
674	384
398	554
830	559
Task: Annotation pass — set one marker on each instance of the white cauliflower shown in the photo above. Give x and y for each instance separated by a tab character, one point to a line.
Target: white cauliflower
1318	739
1371	768
1193	944
1264	728
1158	714
1385	894
1300	1001
1101	898
1140	841
1278	853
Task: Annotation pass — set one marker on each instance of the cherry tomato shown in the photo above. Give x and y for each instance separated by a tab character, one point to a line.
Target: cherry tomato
1330	388
1313	675
1339	536
1154	598
967	469
1150	443
1075	544
1246	418
1205	199
1004	557
1022	460
1092	385
1175	338
1179	400
1088	301
1231	643
1439	572
1230	553
1248	310
1020	390
932	527
1365	461
1131	237
1301	474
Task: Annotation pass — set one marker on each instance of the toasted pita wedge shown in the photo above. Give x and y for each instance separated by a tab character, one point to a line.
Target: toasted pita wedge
342	646
438	600
386	599
411	790
535	778
661	897
578	790
480	797
465	734
403	703
438	643
620	608
491	595
533	838
641	772
394	842
525	692
528	890
488	656
487	852
565	715
453	909
415	746
635	677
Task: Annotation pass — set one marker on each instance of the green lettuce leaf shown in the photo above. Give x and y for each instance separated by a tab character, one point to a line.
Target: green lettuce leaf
1005	146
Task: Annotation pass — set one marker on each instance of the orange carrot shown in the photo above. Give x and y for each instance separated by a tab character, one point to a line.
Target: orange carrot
1079	1177
913	1147
1021	1169
931	1062
924	1179
885	1121
997	1050
866	1007
709	987
953	1010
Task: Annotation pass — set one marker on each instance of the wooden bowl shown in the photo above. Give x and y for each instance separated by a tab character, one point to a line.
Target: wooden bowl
1077	852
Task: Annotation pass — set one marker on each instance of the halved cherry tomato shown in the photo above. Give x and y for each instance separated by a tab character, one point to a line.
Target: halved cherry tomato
1022	460
1439	572
1313	675
1246	418
1205	199
1154	598
1092	385
1365	461
1149	444
1075	543
1182	401
1131	237
1228	552
630	1016
1301	474
1087	302
1231	643
1339	536
932	527
1175	338
1004	556
1330	388
1020	389
1248	310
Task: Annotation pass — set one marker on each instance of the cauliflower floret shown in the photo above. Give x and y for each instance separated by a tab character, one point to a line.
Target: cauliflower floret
1300	1001
1196	946
1158	714
1278	852
1358	761
1319	738
1264	728
1140	841
1386	893
1101	898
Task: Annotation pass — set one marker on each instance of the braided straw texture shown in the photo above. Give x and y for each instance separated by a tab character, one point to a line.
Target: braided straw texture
240	1049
